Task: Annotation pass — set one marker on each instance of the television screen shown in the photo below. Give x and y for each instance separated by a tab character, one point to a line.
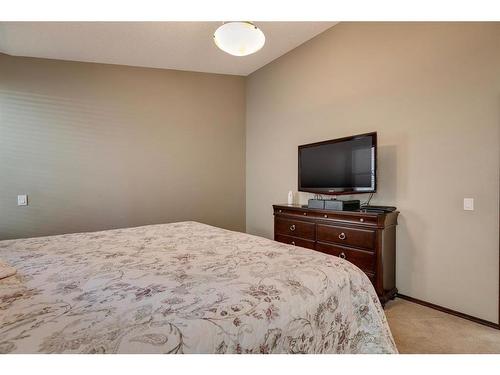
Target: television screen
339	166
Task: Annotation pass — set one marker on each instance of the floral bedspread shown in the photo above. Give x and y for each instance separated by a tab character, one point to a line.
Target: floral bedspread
184	288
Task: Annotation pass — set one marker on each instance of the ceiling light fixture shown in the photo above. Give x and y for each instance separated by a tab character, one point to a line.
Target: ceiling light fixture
239	38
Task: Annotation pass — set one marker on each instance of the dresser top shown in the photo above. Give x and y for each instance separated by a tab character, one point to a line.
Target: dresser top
304	207
359	216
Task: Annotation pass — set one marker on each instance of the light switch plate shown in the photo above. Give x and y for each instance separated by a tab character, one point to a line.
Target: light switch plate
22	200
469	204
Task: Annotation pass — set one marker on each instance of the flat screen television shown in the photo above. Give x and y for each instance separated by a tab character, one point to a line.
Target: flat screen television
339	166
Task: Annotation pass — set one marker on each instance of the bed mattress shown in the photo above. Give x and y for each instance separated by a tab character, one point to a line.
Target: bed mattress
184	288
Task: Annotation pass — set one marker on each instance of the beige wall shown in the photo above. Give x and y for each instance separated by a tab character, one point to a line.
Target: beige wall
102	146
432	91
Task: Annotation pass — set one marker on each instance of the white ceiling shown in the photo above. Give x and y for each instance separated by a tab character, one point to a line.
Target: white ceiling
169	45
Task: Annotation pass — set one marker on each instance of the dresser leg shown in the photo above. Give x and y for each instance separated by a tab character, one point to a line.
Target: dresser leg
387	296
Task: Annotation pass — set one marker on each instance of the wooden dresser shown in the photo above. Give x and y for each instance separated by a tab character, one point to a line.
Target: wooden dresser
366	239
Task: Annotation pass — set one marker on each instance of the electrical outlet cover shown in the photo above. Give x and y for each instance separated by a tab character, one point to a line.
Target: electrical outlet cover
22	200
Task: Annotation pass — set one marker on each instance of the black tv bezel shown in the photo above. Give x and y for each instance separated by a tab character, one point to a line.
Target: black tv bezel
339	191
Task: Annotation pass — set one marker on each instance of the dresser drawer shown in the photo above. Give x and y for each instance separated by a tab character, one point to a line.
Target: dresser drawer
360	258
346	217
293	212
356	237
295	241
294	228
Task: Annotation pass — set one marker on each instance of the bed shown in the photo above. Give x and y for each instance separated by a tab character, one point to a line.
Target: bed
184	288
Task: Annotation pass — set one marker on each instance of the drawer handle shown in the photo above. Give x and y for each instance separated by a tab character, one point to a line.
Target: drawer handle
305	213
361	219
292	227
342	236
325	215
293	243
342	255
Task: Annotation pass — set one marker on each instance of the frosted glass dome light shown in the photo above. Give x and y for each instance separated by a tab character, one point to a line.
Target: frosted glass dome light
239	38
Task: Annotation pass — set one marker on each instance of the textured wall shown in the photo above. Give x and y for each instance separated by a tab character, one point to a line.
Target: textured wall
432	91
103	146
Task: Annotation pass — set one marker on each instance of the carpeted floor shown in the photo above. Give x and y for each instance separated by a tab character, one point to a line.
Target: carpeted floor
419	329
